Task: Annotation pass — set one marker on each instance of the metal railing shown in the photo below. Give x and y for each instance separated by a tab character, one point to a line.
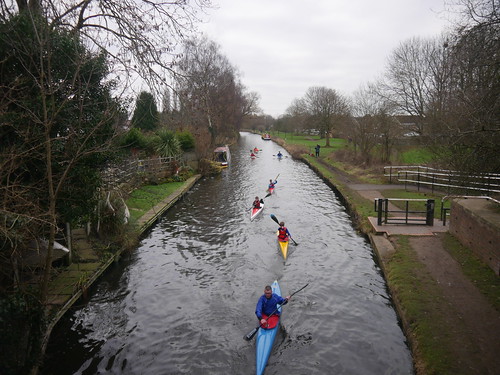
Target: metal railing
407	216
443	179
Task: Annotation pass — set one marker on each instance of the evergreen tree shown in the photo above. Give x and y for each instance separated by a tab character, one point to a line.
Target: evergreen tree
146	113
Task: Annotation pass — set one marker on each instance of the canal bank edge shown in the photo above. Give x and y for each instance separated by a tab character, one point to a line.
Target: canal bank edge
62	301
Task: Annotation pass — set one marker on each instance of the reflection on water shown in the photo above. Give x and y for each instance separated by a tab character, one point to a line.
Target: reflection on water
182	302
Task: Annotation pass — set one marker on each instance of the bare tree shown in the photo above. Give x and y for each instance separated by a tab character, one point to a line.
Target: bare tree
469	124
414	79
210	93
325	108
140	36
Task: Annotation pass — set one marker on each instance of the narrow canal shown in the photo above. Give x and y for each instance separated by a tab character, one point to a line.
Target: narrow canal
182	302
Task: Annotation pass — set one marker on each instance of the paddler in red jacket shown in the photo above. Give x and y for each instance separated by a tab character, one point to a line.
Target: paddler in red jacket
283	233
257	202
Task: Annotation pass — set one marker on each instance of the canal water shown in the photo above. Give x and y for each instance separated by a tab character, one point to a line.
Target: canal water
182	302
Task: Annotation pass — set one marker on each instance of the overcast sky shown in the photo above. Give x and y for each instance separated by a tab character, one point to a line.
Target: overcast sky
283	47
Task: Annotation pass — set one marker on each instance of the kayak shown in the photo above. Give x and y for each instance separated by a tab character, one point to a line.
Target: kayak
256	211
283	247
265	339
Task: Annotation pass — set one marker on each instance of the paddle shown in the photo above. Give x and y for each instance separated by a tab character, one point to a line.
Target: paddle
268	195
252	333
277	222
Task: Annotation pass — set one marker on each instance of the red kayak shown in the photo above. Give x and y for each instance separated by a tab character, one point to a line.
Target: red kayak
256	211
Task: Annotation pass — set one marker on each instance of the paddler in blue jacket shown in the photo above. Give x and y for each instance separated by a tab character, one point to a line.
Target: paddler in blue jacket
271	184
267	305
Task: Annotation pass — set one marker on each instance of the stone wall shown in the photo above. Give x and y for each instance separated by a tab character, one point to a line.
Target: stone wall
476	223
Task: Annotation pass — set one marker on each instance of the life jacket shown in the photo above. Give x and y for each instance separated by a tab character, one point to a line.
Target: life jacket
272	321
271	185
282	235
256	203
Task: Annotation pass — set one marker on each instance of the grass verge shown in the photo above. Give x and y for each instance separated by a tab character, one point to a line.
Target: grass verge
146	197
423	310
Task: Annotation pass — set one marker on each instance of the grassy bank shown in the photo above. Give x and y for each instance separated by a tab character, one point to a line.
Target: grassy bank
146	197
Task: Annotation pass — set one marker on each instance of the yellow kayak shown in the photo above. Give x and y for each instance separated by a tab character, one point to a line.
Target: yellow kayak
283	247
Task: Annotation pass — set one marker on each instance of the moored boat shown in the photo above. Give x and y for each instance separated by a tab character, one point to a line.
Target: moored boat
222	156
256	211
283	246
265	339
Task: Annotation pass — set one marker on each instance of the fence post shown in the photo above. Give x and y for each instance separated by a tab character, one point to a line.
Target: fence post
429	220
418	178
379	211
386	208
406	213
69	243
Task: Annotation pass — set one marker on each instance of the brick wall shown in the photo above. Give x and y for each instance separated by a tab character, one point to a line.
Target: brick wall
475	225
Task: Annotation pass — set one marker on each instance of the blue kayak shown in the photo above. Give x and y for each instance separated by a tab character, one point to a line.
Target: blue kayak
265	338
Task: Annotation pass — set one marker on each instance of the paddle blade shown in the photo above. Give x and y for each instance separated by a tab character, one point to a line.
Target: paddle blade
275	219
251	334
267	195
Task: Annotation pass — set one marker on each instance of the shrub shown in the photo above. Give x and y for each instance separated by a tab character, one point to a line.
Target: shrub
134	138
167	143
186	140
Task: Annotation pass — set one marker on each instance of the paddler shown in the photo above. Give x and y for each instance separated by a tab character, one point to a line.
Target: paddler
271	184
257	202
283	233
267	305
